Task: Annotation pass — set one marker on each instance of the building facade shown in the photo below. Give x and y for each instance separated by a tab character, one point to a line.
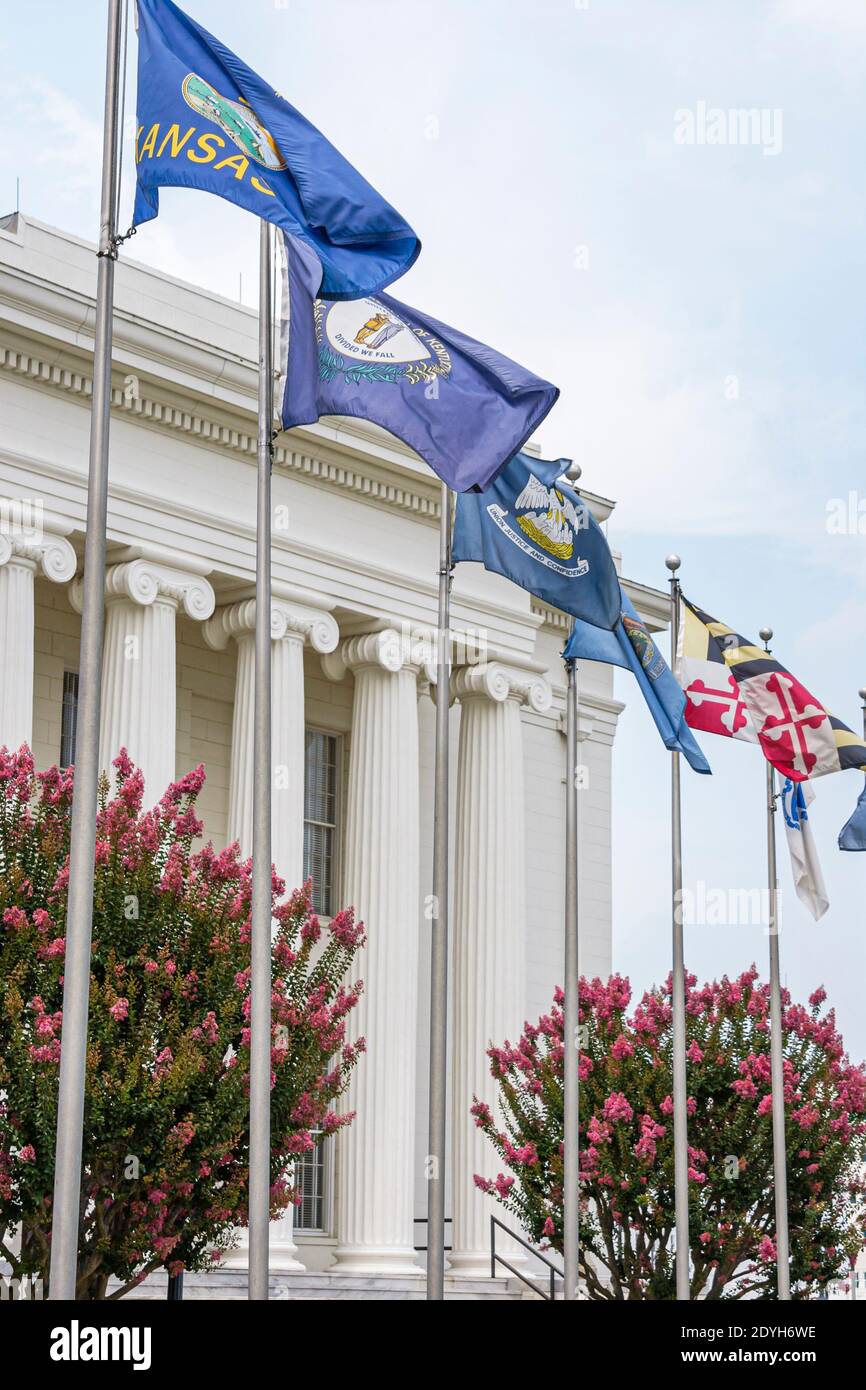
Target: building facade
355	555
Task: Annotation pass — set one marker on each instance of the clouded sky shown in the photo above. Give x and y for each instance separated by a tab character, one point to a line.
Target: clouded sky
700	304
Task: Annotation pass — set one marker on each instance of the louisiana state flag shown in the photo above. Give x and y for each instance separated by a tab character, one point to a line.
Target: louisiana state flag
736	689
534	529
205	120
462	406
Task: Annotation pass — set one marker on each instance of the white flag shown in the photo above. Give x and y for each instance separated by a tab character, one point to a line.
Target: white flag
808	879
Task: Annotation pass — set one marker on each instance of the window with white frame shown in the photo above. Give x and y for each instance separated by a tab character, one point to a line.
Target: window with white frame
323	754
68	718
321	814
314	1183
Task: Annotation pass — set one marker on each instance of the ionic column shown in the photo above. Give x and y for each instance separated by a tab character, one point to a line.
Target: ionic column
24	552
139	671
375	1158
291	626
489	925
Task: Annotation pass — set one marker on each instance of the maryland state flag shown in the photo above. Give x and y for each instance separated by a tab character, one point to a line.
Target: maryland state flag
738	690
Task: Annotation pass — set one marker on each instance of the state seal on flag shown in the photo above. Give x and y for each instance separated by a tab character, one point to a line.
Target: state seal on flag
645	648
238	120
367	340
547	522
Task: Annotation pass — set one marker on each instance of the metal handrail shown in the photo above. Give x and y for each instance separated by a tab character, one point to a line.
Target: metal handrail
499	1259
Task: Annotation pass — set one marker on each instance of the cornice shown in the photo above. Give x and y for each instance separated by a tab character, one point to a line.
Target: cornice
653	608
65	313
375	482
225	550
551	617
653	605
210	368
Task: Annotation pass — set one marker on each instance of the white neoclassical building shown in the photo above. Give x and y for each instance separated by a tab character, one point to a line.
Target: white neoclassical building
355	551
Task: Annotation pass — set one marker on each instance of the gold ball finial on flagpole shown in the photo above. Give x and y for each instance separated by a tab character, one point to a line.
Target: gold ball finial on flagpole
673	562
573	472
765	635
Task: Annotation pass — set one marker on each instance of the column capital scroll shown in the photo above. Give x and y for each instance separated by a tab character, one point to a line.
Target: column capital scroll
146	582
496	681
53	555
288	621
386	649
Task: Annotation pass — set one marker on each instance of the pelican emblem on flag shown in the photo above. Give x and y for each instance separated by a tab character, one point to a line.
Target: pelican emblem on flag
549	518
239	121
543	526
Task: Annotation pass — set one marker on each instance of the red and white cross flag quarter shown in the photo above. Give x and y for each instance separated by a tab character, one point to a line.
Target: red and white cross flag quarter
736	689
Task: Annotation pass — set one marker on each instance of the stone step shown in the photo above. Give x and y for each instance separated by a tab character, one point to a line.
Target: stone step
232	1284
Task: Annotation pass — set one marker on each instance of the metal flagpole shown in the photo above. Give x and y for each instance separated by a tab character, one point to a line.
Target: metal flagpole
439	926
678	1000
76	985
777	1072
862	693
570	1095
570	1089
260	1021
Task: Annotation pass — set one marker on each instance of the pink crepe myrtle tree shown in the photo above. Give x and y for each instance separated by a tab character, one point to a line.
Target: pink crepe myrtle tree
165	1164
626	1140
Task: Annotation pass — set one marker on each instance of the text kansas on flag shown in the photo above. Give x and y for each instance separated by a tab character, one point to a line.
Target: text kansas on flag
205	120
462	406
738	690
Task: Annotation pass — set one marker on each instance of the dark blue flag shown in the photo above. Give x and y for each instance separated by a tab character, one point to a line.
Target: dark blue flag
463	407
631	646
531	526
853	832
206	120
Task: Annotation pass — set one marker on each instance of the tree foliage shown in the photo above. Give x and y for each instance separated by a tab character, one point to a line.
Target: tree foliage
626	1140
165	1159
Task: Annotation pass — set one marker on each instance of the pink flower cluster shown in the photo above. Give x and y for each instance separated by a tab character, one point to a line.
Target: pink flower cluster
168	1062
625	1108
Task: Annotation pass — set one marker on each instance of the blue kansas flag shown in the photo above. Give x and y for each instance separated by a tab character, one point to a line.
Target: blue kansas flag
533	528
853	832
463	407
206	120
630	645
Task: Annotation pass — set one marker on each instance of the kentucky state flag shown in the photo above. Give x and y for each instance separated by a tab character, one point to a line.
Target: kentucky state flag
206	120
532	527
738	690
463	407
631	646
